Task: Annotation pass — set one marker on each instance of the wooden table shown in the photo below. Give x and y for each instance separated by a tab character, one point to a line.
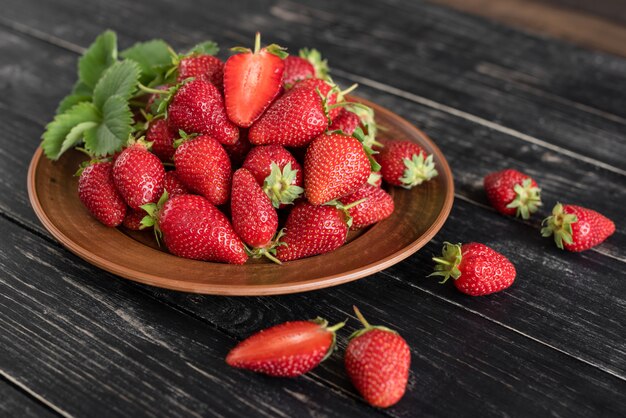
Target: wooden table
78	341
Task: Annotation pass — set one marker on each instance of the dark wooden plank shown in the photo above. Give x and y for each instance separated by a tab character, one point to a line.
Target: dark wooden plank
469	167
557	94
98	339
90	344
16	403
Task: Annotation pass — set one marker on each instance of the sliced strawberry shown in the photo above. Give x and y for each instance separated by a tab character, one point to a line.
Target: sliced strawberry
252	79
286	350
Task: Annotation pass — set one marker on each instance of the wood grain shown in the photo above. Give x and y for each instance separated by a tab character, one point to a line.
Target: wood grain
15	403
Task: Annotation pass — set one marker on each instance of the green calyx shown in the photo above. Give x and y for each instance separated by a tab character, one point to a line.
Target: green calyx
92	160
448	264
164	97
183	137
370	128
559	224
374	178
151	220
527	199
366	325
273	49
345	209
315	58
418	170
279	187
269	251
333	329
367	147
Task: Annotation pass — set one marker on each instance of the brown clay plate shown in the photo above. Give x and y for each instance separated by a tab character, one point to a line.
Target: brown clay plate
418	215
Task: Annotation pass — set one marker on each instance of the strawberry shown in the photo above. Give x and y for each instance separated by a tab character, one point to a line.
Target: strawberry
286	350
254	217
334	166
576	228
512	193
277	171
133	219
404	163
297	117
477	270
192	227
173	185
377	361
162	139
96	190
312	230
198	107
252	79
138	176
202	66
239	150
346	121
375	179
202	165
308	64
378	205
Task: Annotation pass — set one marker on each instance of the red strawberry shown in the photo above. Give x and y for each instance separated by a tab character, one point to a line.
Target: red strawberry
294	119
138	176
477	270
203	166
162	139
252	79
513	193
153	98
173	185
277	171
238	151
378	205
375	179
312	230
193	228
96	189
133	219
576	228
308	64
404	163
202	66
331	93
286	350
378	360
345	121
254	217
198	107
334	166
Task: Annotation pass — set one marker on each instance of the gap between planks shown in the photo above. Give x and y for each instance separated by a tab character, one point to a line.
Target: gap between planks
34	395
58	42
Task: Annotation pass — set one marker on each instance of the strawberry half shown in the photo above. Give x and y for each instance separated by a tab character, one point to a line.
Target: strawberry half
252	80
513	193
576	228
96	190
477	270
405	164
203	166
334	165
377	361
138	176
286	350
192	227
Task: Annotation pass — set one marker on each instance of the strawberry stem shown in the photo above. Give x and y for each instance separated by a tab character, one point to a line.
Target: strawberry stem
448	264
257	42
336	326
151	90
361	317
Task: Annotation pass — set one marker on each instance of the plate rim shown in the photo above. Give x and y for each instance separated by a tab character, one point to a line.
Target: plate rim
264	289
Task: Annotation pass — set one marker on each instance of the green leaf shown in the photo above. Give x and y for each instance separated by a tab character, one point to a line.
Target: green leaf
112	133
154	58
72	100
99	56
55	139
207	47
119	80
76	135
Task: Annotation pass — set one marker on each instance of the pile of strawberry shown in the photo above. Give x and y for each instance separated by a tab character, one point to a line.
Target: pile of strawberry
260	155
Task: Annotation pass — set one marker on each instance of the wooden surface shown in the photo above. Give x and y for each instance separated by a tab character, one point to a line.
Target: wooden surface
77	341
599	24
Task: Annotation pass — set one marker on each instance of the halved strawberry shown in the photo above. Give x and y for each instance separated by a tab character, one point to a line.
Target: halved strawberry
286	350
252	80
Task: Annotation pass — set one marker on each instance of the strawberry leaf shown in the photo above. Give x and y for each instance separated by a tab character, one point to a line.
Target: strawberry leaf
207	48
71	100
99	56
113	131
60	134
153	57
119	80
